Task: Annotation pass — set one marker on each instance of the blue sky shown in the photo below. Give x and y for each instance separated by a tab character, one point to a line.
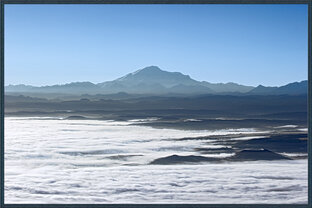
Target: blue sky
246	44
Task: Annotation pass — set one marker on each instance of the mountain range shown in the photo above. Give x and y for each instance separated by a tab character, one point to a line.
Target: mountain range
153	80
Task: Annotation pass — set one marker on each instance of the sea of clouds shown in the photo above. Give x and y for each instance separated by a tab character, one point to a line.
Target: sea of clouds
53	160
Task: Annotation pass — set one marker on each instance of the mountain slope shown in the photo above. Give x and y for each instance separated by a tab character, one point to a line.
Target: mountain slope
153	75
227	87
295	88
70	88
176	82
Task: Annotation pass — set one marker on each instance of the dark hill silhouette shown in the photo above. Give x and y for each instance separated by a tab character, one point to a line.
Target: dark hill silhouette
243	155
177	159
257	154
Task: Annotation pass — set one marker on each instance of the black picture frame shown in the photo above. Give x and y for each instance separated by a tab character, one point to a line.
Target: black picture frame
2	148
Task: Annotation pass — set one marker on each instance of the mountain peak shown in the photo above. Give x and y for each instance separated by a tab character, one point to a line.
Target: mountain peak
152	75
260	86
149	69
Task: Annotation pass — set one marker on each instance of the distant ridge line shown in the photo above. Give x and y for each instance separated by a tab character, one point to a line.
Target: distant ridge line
153	80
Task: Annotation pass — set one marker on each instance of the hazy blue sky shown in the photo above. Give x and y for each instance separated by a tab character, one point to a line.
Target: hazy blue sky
247	44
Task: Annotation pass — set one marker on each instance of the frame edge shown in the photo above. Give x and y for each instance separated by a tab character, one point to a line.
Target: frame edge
2	4
2	103
309	104
156	1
